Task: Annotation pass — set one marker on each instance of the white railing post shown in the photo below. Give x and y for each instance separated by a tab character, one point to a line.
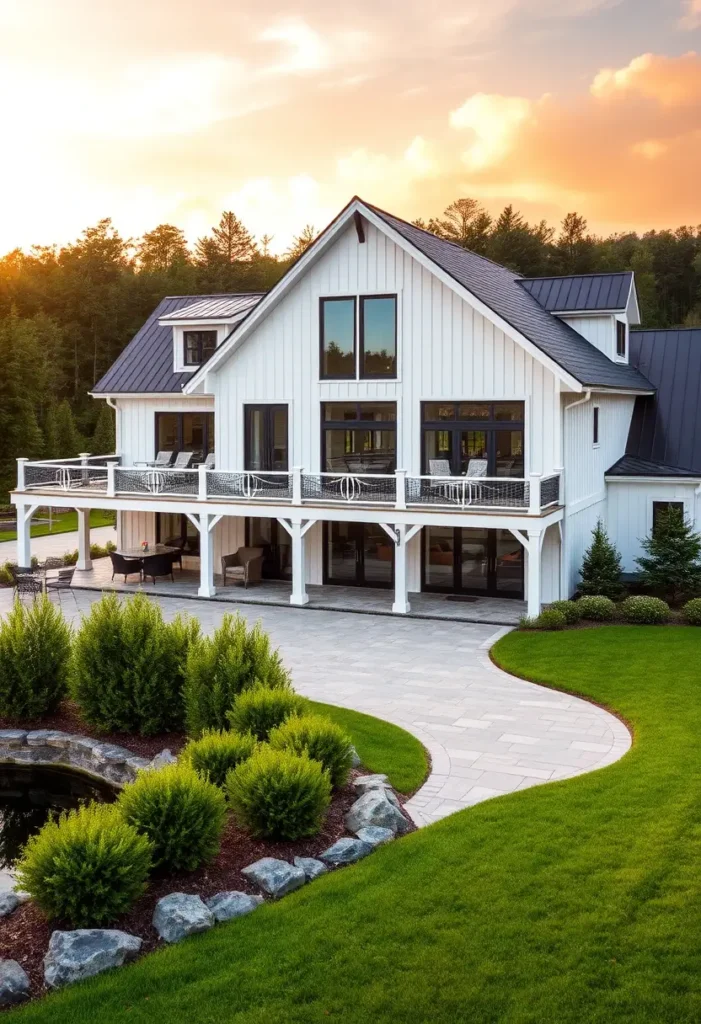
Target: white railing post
400	501
297	485
21	463
202	482
84	559
111	489
534	494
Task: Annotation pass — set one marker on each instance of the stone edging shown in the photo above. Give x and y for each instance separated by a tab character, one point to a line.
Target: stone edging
46	747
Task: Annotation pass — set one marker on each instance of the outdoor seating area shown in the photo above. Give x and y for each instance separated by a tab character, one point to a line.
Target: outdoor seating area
50	577
179	460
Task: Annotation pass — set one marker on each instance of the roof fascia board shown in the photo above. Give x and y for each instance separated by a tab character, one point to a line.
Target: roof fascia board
633	294
140	394
220	321
630	479
576	313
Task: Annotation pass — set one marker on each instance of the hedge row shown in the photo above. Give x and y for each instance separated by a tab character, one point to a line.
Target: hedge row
637	610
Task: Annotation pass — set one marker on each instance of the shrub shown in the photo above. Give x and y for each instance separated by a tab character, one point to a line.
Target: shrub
549	618
597	608
181	814
214	754
672	560
276	794
570	609
35	646
318	738
601	567
86	867
692	612
648	611
128	666
221	666
259	710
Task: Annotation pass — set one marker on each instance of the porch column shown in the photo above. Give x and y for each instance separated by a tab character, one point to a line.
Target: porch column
401	597
535	542
24	538
299	578
84	559
206	588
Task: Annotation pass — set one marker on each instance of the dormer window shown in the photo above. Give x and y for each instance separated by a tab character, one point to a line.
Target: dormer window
198	346
621	338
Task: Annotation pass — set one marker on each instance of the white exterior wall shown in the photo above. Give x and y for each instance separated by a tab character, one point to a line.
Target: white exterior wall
630	512
600	330
136	422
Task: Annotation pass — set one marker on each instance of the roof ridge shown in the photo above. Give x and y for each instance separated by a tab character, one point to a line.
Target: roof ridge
568	277
664	330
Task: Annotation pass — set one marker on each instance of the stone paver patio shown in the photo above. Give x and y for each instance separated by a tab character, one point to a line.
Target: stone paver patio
488	733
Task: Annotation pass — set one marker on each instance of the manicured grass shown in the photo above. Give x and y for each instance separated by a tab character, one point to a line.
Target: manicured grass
382	747
63	522
576	901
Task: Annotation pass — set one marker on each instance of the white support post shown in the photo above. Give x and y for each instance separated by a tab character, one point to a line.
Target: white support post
534	573
202	482
24	536
21	463
400	502
401	598
297	485
84	559
534	495
207	588
299	579
111	466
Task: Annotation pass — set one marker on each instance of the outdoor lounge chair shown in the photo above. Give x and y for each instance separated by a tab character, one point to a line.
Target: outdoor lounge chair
158	565
246	565
162	461
124	566
183	460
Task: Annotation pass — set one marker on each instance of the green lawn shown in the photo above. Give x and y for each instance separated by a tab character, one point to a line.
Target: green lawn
578	901
62	522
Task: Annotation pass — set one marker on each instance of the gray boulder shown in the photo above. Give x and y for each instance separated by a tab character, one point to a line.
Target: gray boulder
14	983
227	905
276	877
161	760
11	739
311	867
178	915
375	808
75	955
9	901
374	836
367	782
346	851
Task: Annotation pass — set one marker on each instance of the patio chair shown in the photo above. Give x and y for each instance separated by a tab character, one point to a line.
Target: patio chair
124	566
476	468
28	583
62	583
246	565
162	461
183	460
158	565
177	555
209	461
439	467
52	563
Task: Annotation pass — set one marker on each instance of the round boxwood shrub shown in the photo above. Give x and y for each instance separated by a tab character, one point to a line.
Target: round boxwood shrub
645	611
318	738
260	709
86	867
570	609
692	611
181	814
276	794
597	608
35	645
217	752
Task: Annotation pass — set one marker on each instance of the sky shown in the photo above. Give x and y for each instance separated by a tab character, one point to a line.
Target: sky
153	111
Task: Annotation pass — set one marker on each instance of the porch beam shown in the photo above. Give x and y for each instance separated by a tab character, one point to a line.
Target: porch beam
84	559
401	596
206	588
24	534
534	589
391	532
299	579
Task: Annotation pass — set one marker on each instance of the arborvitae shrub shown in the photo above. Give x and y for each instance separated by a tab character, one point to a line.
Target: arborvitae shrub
259	710
645	611
597	608
215	753
601	568
35	644
692	611
570	609
318	738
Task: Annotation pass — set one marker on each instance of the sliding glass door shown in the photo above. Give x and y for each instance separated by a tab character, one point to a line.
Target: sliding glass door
276	543
468	561
358	555
456	434
265	438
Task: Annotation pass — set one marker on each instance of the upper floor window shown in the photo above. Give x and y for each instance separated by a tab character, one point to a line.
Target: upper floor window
358	337
621	338
595	425
460	437
185	432
198	346
359	437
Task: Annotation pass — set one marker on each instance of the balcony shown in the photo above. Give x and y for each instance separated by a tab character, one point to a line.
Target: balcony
105	476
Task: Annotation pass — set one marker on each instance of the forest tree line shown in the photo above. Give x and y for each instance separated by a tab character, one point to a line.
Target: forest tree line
67	312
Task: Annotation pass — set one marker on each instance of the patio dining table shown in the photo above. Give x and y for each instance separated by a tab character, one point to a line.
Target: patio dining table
153	549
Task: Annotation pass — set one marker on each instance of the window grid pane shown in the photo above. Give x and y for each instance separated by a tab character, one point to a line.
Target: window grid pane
338	337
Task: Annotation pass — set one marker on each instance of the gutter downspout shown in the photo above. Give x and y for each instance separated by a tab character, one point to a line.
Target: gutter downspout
563	523
113	405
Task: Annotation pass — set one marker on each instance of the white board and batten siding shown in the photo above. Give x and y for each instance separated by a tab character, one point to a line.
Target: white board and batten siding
630	511
136	422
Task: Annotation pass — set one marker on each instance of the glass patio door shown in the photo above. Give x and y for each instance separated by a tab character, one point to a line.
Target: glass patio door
358	555
265	438
469	561
276	544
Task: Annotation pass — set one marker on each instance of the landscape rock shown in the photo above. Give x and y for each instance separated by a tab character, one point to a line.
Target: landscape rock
355	758
178	915
14	983
311	867
80	954
276	877
374	836
43	737
9	901
11	738
367	782
227	905
376	808
346	851
161	760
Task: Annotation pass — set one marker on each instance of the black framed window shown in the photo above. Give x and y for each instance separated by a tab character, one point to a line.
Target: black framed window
359	437
378	336
664	509
185	432
198	346
595	425
455	434
337	337
621	338
265	437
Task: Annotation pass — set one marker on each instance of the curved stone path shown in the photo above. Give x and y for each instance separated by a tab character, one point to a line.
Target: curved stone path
488	733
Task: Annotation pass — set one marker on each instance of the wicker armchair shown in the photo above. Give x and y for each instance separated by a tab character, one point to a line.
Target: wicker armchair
157	565
246	565
124	566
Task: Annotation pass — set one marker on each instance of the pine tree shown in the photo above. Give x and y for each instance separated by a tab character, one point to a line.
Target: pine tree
601	567
103	440
51	434
672	564
69	442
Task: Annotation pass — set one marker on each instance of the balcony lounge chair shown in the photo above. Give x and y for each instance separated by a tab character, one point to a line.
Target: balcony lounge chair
183	460
209	461
157	565
162	461
124	566
245	565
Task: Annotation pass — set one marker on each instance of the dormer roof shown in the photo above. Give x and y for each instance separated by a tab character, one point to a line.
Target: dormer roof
582	293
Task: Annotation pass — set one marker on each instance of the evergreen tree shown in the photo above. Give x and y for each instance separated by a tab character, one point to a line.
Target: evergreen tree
601	568
300	243
51	450
162	249
464	222
672	563
225	256
69	442
103	440
19	429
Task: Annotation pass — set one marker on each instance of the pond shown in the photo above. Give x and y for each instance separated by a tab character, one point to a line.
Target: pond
30	793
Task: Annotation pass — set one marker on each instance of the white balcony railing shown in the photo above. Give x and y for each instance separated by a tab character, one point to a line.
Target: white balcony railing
105	475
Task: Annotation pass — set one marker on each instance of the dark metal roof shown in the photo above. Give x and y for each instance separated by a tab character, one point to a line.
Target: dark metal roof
631	465
500	289
581	293
145	366
221	308
666	429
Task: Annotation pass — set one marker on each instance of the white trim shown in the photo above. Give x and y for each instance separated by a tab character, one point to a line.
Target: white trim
688	481
591	499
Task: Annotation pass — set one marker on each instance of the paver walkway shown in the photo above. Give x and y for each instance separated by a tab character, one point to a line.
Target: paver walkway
54	545
488	733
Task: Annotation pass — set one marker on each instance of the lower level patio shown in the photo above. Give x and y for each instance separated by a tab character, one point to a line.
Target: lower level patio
458	608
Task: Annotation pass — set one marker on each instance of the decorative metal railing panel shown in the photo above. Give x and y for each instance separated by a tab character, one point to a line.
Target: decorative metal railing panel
370	488
467	492
65	477
275	486
176	482
550	491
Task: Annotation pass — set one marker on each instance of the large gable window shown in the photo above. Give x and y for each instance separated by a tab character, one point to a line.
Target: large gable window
198	346
337	337
358	337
